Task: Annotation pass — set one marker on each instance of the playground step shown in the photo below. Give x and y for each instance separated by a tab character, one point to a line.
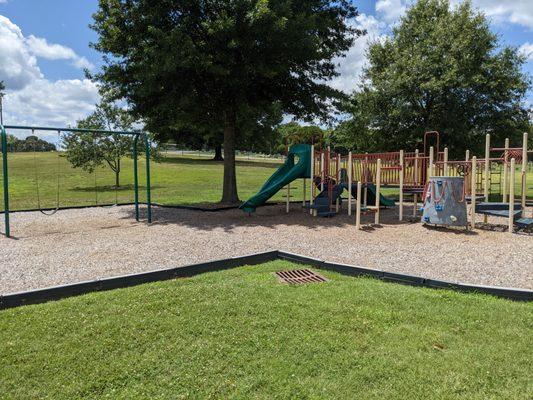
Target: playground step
326	213
480	207
524	222
500	213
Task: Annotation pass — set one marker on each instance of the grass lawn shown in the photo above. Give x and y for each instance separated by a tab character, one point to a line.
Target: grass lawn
177	180
240	334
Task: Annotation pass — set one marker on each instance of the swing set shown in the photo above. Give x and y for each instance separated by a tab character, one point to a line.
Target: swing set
49	212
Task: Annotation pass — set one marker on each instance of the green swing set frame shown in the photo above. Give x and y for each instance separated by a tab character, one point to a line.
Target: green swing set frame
136	136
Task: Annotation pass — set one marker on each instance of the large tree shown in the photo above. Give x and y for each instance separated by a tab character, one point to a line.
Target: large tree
442	69
180	63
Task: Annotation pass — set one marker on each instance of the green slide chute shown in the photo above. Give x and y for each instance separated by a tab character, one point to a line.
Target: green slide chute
296	166
371	197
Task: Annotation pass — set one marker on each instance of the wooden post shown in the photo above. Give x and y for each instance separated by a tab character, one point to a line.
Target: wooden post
337	178
322	171
365	195
505	171
350	183
467	155
446	161
400	211
304	192
431	155
511	195
358	206
416	174
473	193
486	181
378	189
523	174
312	185
288	204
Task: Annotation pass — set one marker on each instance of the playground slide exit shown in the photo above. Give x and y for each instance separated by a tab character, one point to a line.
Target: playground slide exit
296	166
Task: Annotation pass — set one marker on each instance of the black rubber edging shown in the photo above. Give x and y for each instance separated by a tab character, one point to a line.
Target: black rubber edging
59	292
123	281
411	280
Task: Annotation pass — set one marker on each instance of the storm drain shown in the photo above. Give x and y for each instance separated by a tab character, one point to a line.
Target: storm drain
299	277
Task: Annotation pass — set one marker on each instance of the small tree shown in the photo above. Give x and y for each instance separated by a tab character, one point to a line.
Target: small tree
91	150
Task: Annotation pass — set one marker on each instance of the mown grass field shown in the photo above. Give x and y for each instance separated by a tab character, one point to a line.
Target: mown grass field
176	180
239	334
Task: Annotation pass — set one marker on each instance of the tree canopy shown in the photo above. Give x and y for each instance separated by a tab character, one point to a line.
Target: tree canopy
184	63
28	144
442	69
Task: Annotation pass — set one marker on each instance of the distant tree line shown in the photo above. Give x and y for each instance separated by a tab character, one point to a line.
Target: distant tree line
30	143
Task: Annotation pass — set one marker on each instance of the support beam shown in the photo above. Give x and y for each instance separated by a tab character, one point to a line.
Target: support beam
505	171
400	211
312	175
523	175
431	158
378	190
358	207
350	183
446	161
511	195
486	175
473	193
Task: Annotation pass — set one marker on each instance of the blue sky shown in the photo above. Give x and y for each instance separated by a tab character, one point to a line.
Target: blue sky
45	46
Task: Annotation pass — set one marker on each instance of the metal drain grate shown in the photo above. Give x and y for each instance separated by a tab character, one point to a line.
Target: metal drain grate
299	277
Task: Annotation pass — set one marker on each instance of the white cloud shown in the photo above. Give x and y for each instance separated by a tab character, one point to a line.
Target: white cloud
527	50
53	51
58	103
518	12
31	99
390	10
351	66
18	67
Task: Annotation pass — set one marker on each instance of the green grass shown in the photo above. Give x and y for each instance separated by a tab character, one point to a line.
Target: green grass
238	334
177	180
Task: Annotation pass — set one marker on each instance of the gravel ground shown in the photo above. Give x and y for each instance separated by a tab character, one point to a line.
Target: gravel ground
84	244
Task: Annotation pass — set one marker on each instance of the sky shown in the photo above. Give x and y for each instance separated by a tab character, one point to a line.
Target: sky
44	47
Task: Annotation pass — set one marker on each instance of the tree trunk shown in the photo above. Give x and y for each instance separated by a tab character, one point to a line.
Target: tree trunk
117	174
218	153
229	193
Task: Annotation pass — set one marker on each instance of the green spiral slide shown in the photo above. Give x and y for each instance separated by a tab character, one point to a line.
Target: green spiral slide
296	166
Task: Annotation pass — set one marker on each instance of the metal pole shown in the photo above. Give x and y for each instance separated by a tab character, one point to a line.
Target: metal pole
136	176
148	186
6	182
524	174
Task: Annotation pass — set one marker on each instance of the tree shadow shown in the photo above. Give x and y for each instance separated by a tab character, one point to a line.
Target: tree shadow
270	216
111	188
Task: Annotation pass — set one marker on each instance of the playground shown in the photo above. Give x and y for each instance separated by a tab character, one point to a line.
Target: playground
369	210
